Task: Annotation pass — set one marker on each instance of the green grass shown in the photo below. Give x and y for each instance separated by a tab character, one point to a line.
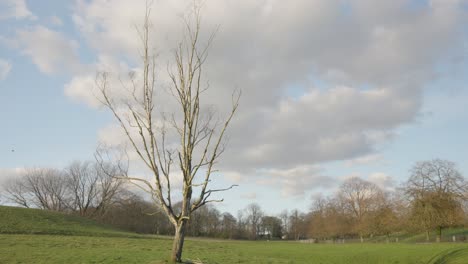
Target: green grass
446	235
14	220
81	249
35	236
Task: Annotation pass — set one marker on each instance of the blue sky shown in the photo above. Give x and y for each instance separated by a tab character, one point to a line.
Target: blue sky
326	95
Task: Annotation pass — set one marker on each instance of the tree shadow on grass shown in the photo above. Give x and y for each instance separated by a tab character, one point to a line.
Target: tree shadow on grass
451	256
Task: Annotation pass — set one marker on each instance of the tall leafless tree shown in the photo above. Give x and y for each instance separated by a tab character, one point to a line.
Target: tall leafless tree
200	136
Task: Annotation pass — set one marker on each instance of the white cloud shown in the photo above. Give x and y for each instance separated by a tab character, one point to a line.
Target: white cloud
5	68
365	160
10	173
384	181
16	9
82	88
50	50
361	70
294	181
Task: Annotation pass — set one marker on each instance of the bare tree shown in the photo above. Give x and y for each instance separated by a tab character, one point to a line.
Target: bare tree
284	216
241	225
384	219
330	219
437	190
297	224
254	216
228	225
200	136
92	186
48	188
17	192
360	198
38	187
82	185
109	184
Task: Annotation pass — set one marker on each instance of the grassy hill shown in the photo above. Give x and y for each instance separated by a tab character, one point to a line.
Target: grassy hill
14	220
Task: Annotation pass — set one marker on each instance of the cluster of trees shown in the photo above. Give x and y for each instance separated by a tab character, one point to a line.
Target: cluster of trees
96	190
136	214
433	198
84	188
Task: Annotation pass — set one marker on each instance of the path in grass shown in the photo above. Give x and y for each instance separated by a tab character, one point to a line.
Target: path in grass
82	249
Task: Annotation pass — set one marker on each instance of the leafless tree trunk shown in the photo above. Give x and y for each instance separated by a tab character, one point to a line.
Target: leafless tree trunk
200	138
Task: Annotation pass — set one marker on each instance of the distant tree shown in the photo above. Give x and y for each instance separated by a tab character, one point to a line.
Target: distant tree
92	186
271	227
284	216
297	224
384	219
242	225
228	226
321	219
131	212
360	198
254	215
17	192
83	187
436	189
39	187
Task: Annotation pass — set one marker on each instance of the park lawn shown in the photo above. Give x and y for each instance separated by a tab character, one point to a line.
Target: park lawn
26	248
38	236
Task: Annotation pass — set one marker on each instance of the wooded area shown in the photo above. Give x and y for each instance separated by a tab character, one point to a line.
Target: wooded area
433	198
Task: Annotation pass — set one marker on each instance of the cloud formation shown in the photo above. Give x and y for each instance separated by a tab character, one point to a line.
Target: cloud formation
50	50
16	9
322	80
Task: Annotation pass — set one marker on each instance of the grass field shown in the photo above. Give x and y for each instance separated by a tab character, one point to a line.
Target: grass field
33	236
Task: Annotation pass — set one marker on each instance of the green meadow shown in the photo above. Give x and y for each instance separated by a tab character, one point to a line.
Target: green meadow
35	236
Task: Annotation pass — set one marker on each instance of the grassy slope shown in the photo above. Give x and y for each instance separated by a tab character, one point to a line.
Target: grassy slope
14	220
68	239
446	235
459	233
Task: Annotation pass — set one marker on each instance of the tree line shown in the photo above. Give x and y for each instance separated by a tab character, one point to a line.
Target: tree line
432	199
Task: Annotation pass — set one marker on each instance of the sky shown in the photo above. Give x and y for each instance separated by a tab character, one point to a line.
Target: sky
330	89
